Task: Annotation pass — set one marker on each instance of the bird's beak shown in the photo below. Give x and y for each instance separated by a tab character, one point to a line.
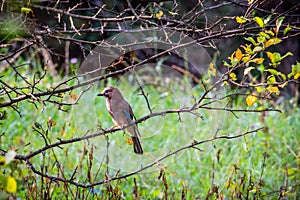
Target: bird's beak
100	94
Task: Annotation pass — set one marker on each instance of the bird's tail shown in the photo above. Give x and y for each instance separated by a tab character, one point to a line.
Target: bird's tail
137	147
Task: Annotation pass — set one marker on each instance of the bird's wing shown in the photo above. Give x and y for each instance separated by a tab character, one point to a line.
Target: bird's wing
130	117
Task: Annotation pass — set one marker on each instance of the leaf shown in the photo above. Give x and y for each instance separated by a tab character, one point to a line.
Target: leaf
246	58
261	39
247	48
159	14
173	13
212	69
2	161
11	185
225	83
248	69
271	79
238	54
272	41
275	58
241	20
273	89
264	34
286	55
251	99
259	21
26	10
295	71
259	89
73	96
276	73
270	32
129	141
257	49
250	39
258	60
268	19
296	76
278	23
233	76
287	29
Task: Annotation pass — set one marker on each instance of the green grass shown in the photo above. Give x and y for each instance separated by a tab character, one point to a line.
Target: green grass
257	165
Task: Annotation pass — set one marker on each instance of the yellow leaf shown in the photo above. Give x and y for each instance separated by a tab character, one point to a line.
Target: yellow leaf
212	69
159	14
273	89
225	83
297	76
246	58
272	41
241	20
259	89
233	76
270	32
129	141
251	99
172	13
2	160
257	60
238	54
26	10
259	21
11	185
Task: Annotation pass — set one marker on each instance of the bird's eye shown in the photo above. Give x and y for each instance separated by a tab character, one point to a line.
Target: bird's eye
107	91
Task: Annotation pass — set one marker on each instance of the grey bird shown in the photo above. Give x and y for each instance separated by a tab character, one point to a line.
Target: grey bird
122	114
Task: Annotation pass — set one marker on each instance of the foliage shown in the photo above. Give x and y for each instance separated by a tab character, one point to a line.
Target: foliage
211	133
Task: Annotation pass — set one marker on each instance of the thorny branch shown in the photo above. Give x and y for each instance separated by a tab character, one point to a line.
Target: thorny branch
156	162
76	22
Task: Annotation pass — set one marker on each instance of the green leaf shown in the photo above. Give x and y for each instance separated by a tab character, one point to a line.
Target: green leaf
263	34
278	23
275	57
261	39
295	70
26	10
250	39
268	19
271	79
272	71
259	21
276	73
286	55
257	49
287	29
226	64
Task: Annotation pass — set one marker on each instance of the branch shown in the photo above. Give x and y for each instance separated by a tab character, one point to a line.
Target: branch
190	146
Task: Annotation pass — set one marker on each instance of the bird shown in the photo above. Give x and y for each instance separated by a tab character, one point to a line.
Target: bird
122	114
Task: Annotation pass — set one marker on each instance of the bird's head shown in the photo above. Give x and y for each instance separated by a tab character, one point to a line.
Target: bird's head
107	92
